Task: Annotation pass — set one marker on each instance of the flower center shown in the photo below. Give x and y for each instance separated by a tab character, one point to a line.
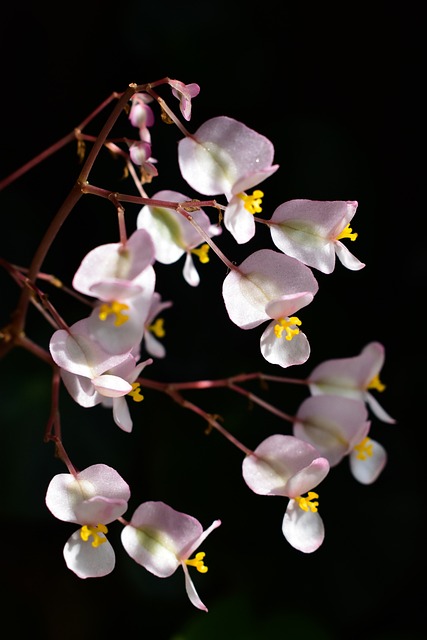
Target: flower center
253	202
157	328
87	531
364	449
116	309
288	325
347	233
376	384
309	502
197	562
136	394
202	253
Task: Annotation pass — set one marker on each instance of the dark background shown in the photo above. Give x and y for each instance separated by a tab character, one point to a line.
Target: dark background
339	93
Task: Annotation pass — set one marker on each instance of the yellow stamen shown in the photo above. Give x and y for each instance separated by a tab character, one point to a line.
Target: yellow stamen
308	502
136	392
364	449
347	233
253	202
284	324
157	328
202	253
86	531
197	562
376	384
114	308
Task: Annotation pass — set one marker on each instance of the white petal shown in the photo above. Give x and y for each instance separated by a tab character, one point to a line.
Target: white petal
304	530
87	561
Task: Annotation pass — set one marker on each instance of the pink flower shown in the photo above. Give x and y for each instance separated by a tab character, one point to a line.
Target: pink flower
226	157
162	539
288	466
92	498
271	286
353	377
174	236
312	231
338	427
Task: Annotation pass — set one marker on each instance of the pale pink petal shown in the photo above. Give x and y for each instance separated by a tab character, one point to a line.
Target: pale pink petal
347	258
81	389
367	470
284	466
121	414
111	386
238	221
282	352
304	530
190	273
332	424
87	561
191	590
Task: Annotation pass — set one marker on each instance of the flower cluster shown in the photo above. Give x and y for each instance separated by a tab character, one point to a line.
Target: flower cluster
101	357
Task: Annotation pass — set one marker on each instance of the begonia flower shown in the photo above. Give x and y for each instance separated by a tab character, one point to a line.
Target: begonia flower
225	156
270	286
162	539
184	93
112	271
288	466
332	424
93	376
312	231
91	498
174	236
122	278
354	378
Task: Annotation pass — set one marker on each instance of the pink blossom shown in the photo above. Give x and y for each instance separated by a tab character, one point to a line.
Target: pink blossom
162	539
288	466
271	286
354	378
226	157
92	498
312	231
174	236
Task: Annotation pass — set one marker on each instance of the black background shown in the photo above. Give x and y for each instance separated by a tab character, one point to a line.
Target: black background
339	93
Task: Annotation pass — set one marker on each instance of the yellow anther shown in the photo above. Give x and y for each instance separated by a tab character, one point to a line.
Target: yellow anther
347	233
157	328
309	502
284	324
136	392
376	384
202	253
197	562
364	449
116	309
253	202
86	531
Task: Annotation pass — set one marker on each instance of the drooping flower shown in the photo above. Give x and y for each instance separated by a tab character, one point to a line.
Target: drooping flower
162	539
354	378
332	424
338	427
312	231
270	286
93	376
141	114
288	466
224	156
174	236
91	498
